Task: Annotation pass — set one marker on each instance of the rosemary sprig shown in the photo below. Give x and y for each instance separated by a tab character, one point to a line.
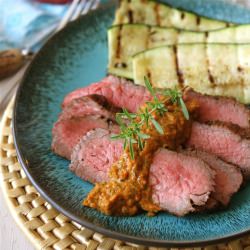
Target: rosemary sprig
131	123
176	97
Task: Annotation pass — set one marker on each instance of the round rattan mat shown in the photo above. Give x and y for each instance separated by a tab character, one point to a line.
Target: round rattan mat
46	227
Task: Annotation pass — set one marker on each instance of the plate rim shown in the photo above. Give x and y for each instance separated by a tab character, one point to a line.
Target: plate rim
85	223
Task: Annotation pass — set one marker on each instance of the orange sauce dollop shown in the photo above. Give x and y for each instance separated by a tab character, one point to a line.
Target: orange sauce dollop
127	192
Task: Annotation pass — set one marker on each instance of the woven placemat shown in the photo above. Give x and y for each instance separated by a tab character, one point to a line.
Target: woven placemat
45	226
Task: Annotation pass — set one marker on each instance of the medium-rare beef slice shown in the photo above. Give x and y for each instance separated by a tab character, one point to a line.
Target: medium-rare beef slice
179	182
77	118
121	93
93	156
67	132
229	142
89	105
228	178
218	108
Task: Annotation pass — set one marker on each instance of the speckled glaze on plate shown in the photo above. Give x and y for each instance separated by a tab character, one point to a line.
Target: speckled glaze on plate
74	58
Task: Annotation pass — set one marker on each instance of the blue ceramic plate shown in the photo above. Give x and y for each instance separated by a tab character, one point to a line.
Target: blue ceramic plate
74	58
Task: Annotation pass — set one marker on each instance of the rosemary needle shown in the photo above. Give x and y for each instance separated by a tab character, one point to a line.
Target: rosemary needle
131	123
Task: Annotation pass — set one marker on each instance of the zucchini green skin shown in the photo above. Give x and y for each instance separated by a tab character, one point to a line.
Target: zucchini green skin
216	69
128	39
154	13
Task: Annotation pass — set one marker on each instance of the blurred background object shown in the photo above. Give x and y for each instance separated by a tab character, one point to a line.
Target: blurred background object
32	23
55	1
21	20
245	3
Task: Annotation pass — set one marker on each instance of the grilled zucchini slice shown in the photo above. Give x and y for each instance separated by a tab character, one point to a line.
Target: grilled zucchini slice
126	40
153	13
217	69
123	42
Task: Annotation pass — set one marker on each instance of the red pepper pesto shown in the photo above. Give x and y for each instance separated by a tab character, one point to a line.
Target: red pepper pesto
127	191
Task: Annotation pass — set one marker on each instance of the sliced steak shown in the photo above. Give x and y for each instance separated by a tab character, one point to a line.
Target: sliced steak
227	141
67	132
120	92
218	108
94	154
180	183
89	105
77	118
228	178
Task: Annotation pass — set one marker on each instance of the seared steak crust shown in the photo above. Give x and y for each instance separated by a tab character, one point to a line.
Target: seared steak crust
77	118
121	93
212	108
228	178
244	133
89	105
67	132
102	101
229	142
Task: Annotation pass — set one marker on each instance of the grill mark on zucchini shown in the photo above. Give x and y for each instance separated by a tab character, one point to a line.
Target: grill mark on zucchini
152	32
240	69
212	24
130	16
121	65
130	13
210	76
198	20
157	16
149	76
178	71
155	38
118	49
148	36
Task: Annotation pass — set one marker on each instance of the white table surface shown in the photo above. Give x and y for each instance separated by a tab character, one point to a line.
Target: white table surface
11	236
